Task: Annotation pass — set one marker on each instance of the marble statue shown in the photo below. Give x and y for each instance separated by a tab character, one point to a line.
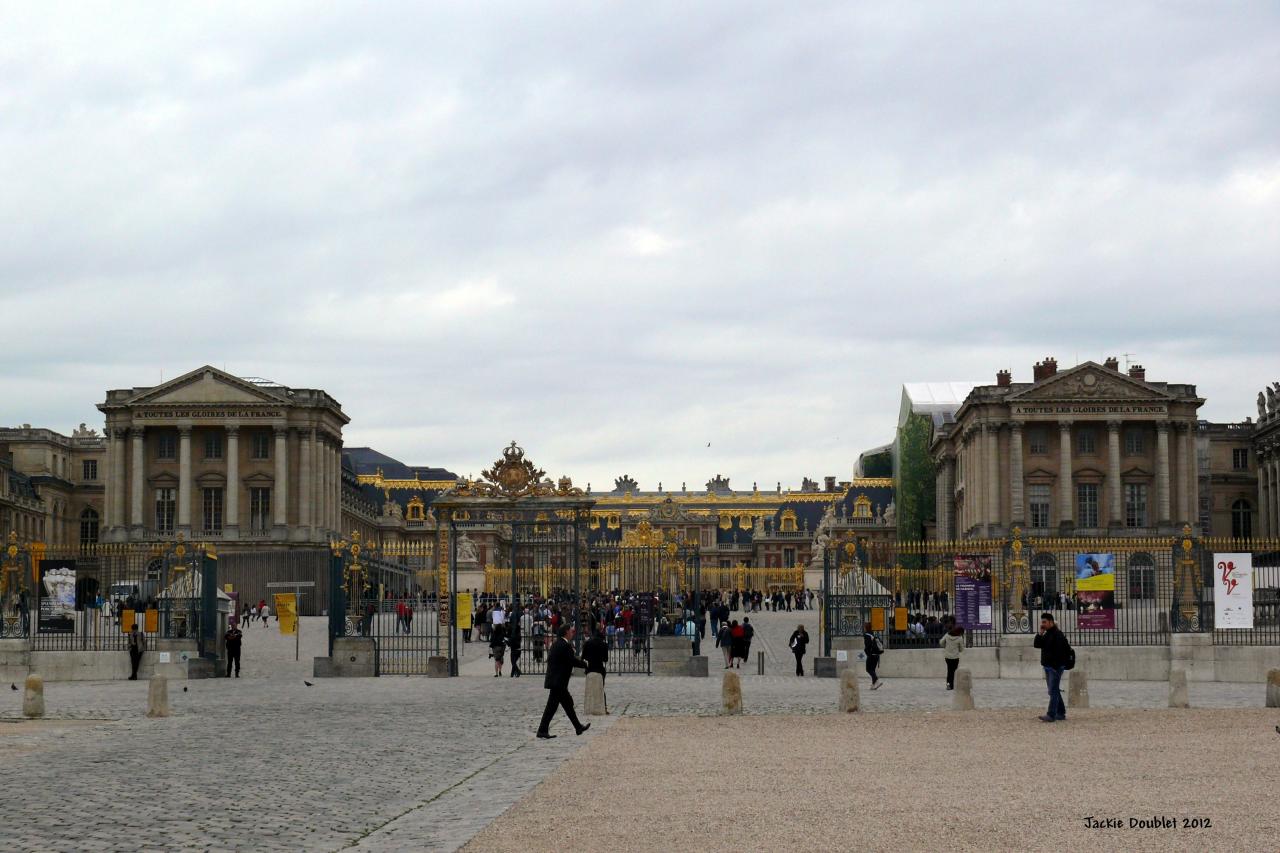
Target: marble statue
1271	400
1262	405
467	553
891	513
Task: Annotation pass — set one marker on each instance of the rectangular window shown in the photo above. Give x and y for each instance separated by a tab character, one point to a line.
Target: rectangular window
212	510
1133	442
1038	441
1240	458
262	445
1135	505
89	469
1085	444
167	445
166	504
1038	504
788	558
1086	504
213	445
260	510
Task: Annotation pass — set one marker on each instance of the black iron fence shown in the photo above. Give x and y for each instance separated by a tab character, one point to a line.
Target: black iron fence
88	599
1112	591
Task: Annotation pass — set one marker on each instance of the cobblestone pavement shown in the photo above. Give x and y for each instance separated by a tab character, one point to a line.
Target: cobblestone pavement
266	762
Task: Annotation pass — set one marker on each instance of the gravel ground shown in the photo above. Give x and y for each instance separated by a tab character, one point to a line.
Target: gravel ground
909	781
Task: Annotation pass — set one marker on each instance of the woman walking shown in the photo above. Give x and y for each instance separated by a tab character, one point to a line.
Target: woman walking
724	639
497	648
952	646
873	649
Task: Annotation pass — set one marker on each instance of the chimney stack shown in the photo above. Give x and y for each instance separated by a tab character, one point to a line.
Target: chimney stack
1004	378
1112	363
830	483
1137	371
1044	369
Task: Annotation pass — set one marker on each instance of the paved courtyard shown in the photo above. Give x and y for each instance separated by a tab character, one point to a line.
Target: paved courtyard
266	762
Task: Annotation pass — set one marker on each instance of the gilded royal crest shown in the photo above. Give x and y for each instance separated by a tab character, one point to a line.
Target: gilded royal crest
513	477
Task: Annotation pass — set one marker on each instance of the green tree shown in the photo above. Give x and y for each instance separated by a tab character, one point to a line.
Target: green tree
914	487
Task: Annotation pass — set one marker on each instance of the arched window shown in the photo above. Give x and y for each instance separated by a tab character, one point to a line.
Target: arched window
788	521
1044	578
89	526
862	507
1242	519
1142	577
413	511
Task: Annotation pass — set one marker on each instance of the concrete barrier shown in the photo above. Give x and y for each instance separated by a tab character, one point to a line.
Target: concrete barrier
1273	688
158	697
824	667
731	694
699	666
1078	688
962	695
670	655
595	701
1178	689
353	657
33	697
850	700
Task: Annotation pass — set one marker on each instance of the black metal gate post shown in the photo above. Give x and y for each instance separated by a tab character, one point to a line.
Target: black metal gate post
337	597
451	621
209	605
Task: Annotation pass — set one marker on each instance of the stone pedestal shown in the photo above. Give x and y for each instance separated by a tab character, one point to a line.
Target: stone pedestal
670	655
699	666
158	697
353	657
594	699
731	694
962	695
1078	689
1273	688
824	667
1178	689
437	666
850	700
33	697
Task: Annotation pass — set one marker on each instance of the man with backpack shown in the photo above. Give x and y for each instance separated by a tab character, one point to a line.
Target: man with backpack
873	649
1056	656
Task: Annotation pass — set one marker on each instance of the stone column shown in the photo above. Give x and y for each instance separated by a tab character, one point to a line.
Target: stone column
335	523
138	454
950	502
1115	489
1273	525
306	484
1264	518
184	481
1192	474
940	496
231	524
1066	501
993	478
280	488
1017	508
109	471
1162	474
1183	515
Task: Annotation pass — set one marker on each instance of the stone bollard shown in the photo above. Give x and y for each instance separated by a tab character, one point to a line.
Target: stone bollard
1078	689
962	695
759	663
1178	689
850	700
731	694
595	695
158	697
1273	688
437	667
33	697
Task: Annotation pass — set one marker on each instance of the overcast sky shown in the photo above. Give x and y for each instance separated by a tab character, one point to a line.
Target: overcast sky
617	233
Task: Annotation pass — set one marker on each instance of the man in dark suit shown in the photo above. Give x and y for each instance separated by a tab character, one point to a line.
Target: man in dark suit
560	663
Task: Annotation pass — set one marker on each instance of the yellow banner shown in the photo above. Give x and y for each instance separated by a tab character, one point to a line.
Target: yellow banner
899	618
126	621
877	618
228	588
464	610
151	624
286	612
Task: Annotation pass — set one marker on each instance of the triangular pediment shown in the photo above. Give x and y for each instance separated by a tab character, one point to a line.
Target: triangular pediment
1090	381
205	385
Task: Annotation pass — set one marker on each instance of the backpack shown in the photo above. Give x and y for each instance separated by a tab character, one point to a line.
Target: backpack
1071	658
873	647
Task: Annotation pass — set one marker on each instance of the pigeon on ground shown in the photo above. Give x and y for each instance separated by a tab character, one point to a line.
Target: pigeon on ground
1278	730
184	690
13	686
308	683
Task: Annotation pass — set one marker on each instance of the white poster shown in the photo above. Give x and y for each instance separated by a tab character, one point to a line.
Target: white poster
1233	591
